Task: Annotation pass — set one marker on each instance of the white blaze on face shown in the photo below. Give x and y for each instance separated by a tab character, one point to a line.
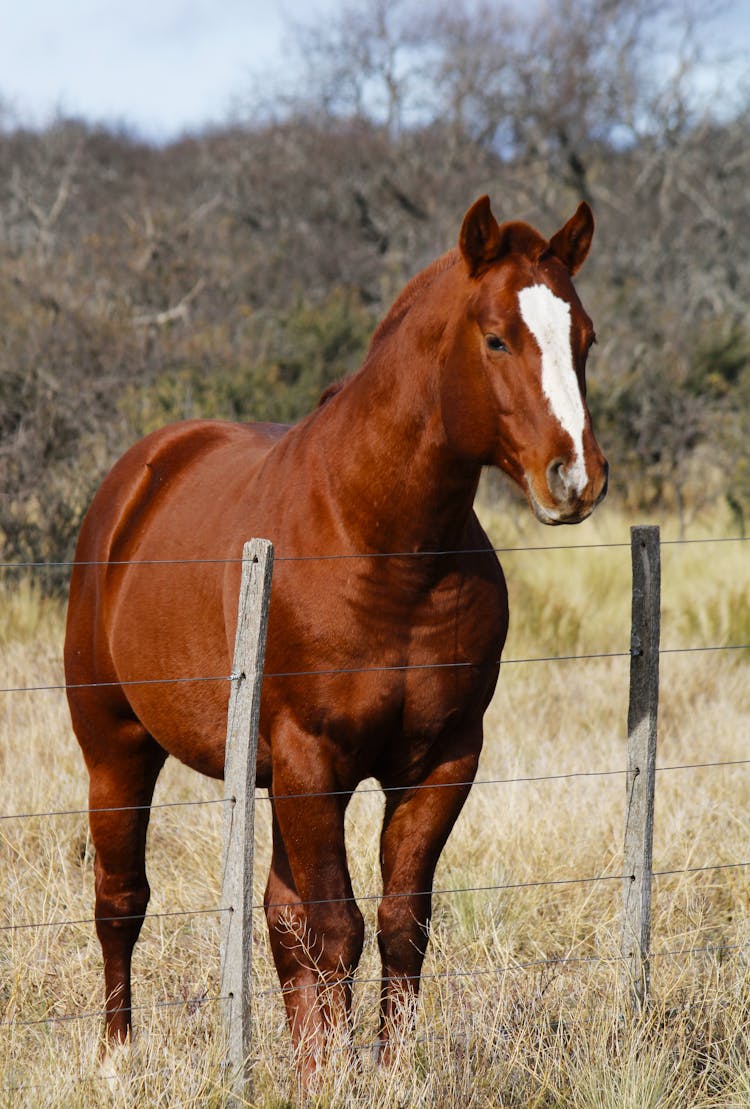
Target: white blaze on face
548	319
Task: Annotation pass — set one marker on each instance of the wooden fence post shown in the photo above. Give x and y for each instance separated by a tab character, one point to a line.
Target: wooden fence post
239	774
642	716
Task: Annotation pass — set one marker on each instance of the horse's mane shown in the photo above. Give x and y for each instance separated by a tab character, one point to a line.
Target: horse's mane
331	391
398	310
410	292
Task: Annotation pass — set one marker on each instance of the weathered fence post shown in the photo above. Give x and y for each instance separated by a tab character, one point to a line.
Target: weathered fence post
239	774
642	715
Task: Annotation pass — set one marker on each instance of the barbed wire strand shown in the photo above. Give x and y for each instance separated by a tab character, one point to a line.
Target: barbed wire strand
259	907
354	555
527	779
509	968
380	896
477	972
534	964
707	949
107	685
533	884
698	869
62	563
591	960
99	1013
117	808
367	669
28	926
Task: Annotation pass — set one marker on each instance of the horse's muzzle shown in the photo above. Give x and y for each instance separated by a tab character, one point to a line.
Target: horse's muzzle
564	504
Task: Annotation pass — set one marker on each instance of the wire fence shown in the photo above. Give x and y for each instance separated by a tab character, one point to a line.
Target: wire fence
380	790
377	895
70	563
509	967
342	670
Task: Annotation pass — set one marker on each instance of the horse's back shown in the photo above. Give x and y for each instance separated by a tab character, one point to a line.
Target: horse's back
146	475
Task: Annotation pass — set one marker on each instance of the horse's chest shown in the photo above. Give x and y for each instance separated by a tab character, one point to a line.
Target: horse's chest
383	675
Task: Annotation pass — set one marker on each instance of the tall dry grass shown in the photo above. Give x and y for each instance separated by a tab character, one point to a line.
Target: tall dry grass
521	1002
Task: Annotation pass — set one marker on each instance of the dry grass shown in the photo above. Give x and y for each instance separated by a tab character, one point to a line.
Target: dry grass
500	1022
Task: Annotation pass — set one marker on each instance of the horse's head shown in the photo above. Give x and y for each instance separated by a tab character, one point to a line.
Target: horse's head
514	390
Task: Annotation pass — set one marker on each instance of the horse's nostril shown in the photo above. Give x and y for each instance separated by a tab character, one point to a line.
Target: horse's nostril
556	482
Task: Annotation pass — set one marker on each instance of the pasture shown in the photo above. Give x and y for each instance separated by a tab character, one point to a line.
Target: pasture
520	1001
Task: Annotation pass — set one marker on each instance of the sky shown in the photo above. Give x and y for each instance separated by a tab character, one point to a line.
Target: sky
162	67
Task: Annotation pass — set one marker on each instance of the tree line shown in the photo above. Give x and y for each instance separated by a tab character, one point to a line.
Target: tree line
236	272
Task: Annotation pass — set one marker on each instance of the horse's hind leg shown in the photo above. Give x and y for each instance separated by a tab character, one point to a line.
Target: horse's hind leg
416	825
120	792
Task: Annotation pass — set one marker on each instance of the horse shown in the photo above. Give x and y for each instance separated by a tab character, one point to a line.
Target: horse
385	657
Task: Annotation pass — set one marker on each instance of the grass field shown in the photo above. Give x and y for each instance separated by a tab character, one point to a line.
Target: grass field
521	1003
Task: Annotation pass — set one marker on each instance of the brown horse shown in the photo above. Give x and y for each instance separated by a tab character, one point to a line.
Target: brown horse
480	361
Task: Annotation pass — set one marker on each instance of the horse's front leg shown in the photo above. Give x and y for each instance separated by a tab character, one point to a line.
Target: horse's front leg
416	826
315	927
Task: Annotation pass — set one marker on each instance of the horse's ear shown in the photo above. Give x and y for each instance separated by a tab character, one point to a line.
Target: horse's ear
480	241
571	243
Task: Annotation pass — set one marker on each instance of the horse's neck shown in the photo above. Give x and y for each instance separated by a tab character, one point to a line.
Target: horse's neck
397	484
410	293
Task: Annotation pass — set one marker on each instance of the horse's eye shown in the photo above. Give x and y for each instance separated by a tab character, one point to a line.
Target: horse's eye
494	342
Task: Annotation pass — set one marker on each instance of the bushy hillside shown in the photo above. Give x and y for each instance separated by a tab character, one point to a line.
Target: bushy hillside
236	272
